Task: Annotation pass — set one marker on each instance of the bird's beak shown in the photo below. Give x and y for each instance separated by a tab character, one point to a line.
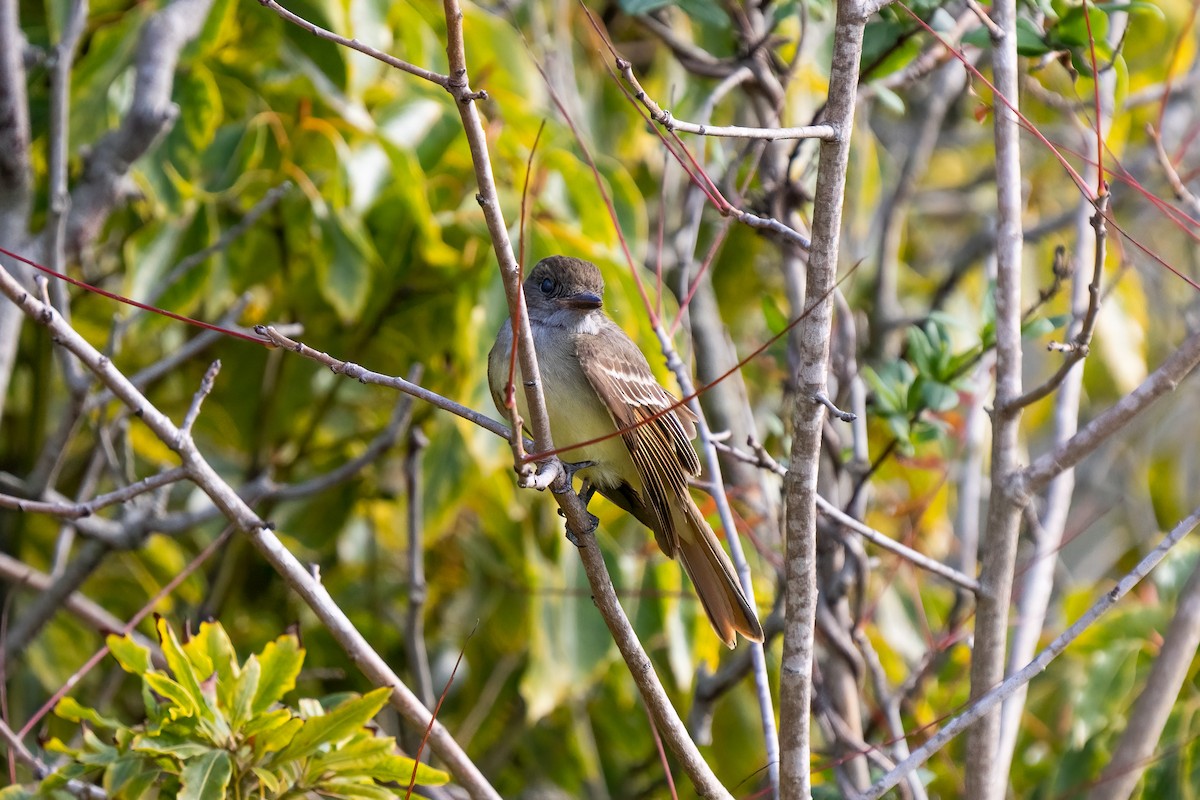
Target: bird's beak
583	301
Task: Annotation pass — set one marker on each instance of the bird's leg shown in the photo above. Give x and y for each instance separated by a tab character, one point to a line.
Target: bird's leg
570	469
586	490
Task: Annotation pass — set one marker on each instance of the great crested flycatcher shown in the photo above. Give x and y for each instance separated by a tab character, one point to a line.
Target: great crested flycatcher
597	382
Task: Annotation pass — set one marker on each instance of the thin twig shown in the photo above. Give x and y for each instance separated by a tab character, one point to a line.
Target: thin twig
77	510
1077	348
892	546
671	124
987	702
260	535
355	44
15	746
1177	185
1166	378
363	375
96	616
206	387
762	684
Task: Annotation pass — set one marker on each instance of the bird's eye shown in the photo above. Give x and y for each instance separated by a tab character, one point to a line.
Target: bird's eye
547	285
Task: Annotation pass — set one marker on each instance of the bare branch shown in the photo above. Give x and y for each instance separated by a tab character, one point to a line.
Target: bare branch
800	484
998	551
1069	453
355	44
105	175
75	510
1148	717
1177	185
48	602
988	701
206	387
182	354
260	535
91	613
762	685
15	175
892	546
14	745
665	118
580	524
354	371
414	630
1078	347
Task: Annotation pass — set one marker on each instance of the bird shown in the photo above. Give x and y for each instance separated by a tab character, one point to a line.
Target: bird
602	396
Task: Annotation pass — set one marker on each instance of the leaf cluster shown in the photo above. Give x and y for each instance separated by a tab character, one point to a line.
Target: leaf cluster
215	728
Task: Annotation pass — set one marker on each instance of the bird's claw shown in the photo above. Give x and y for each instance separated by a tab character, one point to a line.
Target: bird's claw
577	539
569	471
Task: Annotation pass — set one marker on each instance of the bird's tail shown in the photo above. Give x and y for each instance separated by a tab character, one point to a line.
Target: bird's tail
715	580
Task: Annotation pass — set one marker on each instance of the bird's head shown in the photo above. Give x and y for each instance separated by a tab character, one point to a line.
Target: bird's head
561	289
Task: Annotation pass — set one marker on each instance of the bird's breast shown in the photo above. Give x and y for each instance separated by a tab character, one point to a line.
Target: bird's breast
578	416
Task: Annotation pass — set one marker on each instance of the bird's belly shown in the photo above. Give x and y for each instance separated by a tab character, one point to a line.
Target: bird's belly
577	417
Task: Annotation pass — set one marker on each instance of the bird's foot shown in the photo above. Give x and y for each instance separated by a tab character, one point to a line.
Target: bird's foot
569	470
577	539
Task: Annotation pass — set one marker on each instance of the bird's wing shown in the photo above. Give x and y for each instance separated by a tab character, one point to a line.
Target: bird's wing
660	446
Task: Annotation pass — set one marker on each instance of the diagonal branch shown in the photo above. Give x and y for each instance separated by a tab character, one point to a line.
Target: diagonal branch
988	702
151	114
355	44
261	536
1069	453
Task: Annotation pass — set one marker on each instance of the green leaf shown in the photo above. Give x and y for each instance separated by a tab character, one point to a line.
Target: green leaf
96	752
267	721
920	350
938	397
210	651
1038	326
343	788
707	12
130	776
1031	41
776	320
58	780
182	702
337	724
181	667
280	662
1135	7
267	778
242	693
353	757
278	737
1071	30
70	709
133	657
206	777
898	425
166	744
399	769
888	45
346	265
636	7
196	90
